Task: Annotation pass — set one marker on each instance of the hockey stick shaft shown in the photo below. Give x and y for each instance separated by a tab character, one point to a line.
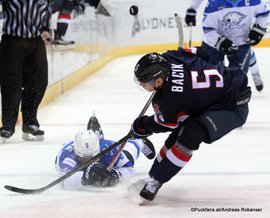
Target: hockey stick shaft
179	26
146	106
190	37
245	60
83	165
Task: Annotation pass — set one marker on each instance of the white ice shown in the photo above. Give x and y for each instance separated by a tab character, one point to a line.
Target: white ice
232	173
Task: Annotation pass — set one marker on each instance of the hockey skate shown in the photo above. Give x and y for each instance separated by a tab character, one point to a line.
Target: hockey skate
106	8
94	125
63	42
148	149
150	189
4	135
257	81
32	133
60	44
144	190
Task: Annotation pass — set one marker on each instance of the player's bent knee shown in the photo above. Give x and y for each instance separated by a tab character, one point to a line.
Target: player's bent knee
170	141
191	135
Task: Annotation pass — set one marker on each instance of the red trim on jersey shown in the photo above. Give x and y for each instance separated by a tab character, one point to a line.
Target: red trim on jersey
179	154
180	117
188	50
170	125
162	153
191	50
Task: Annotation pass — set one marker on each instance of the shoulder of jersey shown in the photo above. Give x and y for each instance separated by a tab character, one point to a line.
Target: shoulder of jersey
213	5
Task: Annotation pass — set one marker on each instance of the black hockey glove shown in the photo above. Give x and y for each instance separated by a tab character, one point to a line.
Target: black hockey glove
138	129
226	46
244	97
256	34
202	53
190	17
97	174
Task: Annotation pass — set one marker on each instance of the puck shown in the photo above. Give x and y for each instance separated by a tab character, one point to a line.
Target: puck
133	10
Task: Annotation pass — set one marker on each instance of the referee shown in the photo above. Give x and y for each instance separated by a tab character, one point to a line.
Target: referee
23	65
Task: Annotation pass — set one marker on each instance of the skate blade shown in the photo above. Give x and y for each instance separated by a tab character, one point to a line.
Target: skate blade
63	47
30	137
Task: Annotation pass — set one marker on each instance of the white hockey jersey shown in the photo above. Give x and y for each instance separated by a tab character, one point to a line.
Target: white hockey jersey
66	161
232	19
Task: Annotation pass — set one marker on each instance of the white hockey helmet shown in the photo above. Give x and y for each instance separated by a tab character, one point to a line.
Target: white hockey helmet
86	144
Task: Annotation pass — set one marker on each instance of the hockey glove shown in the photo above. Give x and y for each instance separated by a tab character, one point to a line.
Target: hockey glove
138	129
256	34
190	17
97	174
226	46
202	53
244	97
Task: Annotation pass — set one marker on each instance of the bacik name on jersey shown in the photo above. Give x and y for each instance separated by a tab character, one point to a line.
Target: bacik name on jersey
177	78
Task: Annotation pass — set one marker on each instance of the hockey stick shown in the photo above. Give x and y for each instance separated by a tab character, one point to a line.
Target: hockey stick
124	143
83	165
179	26
190	37
243	64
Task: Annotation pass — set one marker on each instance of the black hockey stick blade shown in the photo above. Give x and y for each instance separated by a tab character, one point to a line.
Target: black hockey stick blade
60	179
25	191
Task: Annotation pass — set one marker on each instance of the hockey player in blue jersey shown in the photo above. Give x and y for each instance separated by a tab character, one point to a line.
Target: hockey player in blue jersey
190	20
231	27
88	144
195	101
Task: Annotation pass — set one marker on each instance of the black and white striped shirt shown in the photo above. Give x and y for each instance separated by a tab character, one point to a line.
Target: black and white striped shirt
26	18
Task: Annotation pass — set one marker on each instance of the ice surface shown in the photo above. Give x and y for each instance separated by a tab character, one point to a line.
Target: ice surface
230	174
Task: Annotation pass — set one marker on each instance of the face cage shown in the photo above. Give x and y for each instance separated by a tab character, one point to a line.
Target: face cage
83	159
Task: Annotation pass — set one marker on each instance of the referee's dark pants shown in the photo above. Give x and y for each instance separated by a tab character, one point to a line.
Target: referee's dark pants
23	79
